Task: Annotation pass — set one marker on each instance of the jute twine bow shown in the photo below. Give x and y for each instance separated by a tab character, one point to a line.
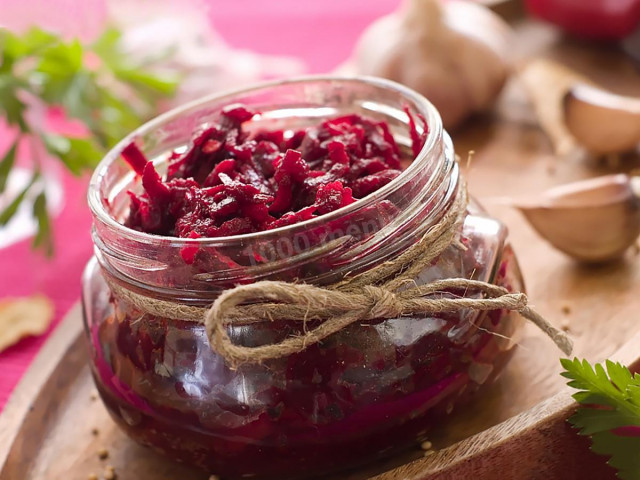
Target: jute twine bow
385	291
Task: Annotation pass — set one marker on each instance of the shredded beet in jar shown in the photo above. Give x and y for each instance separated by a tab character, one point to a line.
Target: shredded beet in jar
231	182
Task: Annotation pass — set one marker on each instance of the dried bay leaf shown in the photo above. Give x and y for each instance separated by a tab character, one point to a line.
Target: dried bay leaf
22	317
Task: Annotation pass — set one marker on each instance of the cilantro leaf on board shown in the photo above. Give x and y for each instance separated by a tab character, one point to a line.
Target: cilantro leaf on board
609	411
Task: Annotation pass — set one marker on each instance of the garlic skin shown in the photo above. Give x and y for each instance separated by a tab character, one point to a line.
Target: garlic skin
546	83
454	53
593	220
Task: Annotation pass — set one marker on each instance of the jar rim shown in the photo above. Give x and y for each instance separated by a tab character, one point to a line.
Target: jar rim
432	117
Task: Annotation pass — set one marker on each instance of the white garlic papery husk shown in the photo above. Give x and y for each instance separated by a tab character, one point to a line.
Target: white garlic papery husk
593	220
455	54
181	32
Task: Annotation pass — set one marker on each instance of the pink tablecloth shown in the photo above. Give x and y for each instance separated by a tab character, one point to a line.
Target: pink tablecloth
322	33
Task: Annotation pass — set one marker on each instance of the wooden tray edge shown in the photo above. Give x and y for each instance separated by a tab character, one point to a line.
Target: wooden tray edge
44	364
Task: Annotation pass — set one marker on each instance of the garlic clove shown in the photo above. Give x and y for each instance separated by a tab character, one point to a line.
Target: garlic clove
601	121
593	220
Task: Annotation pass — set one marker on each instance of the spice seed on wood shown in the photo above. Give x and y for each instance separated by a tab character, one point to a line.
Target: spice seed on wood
92	476
103	453
429	452
566	309
94	432
214	477
426	445
110	473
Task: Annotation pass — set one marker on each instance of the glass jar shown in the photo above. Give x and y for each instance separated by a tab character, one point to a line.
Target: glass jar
371	389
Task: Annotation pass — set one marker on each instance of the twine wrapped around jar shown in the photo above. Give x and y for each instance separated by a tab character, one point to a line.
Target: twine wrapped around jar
385	291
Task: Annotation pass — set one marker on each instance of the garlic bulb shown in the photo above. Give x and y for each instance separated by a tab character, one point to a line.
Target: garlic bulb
454	53
592	220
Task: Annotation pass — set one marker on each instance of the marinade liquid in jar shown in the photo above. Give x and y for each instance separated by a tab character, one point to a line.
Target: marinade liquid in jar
364	393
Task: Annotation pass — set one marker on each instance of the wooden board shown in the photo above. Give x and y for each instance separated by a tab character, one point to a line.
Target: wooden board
517	430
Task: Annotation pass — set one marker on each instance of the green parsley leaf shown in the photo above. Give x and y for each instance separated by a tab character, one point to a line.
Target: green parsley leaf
13	47
30	43
10	104
43	238
106	46
610	400
95	83
61	59
6	164
11	209
78	154
146	81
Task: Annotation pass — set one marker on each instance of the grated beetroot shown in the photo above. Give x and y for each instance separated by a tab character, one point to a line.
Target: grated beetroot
231	182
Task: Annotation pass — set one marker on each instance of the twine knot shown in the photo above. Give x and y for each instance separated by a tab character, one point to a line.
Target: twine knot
383	303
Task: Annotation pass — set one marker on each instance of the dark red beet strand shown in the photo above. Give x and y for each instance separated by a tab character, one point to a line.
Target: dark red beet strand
231	182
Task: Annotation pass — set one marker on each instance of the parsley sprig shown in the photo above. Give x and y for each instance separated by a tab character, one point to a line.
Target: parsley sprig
94	83
609	411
